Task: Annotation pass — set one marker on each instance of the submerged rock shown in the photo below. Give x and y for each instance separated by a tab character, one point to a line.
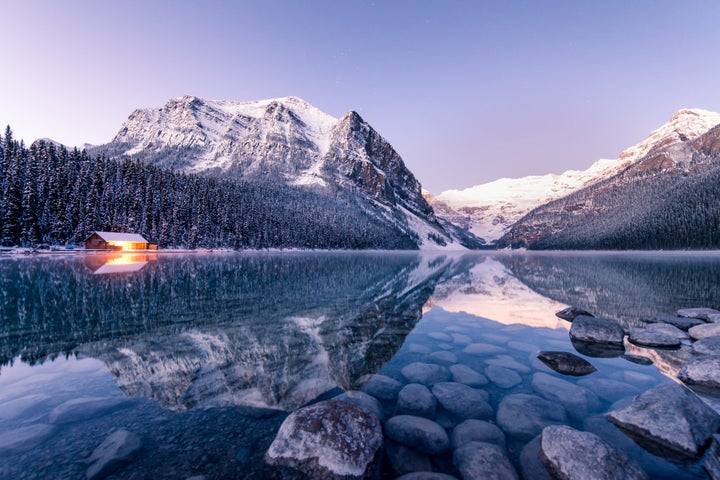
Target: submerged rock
416	399
596	330
578	401
503	377
570	313
566	363
707	330
712	458
404	459
480	461
476	431
330	439
115	452
426	476
524	416
468	376
483	349
574	455
701	313
669	418
637	359
650	338
462	402
418	433
607	389
443	357
425	373
506	361
531	466
382	387
703	374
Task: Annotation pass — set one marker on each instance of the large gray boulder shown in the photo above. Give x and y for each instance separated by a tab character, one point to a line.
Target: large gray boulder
523	416
330	439
577	400
652	338
425	373
668	418
669	330
574	455
416	399
702	313
462	402
707	346
566	363
420	433
707	330
115	452
476	431
596	330
702	373
363	400
483	461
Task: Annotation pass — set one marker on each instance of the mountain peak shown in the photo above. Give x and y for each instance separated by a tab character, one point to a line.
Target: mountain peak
685	125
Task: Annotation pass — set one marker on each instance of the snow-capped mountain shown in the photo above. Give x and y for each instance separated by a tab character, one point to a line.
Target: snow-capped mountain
666	197
489	210
286	141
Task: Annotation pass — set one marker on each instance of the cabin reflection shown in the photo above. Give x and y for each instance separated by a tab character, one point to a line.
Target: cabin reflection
118	262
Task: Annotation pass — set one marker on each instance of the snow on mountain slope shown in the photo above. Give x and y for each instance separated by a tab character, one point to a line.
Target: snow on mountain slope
492	208
286	141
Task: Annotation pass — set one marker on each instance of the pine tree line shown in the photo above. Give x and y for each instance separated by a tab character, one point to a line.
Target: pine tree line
49	195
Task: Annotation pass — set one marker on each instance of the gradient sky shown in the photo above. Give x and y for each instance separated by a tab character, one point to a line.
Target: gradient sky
467	92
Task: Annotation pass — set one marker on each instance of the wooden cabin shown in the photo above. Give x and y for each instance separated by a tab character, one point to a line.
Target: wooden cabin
117	241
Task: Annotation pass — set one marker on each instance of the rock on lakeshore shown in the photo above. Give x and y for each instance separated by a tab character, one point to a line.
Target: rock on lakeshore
670	418
112	454
419	433
570	313
703	373
566	363
707	330
574	455
707	346
702	313
651	338
683	323
596	330
481	461
330	439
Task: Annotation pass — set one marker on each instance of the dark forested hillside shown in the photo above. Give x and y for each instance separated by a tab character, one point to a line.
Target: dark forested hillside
660	202
49	195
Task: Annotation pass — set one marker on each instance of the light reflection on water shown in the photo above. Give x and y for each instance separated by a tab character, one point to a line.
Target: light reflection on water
227	342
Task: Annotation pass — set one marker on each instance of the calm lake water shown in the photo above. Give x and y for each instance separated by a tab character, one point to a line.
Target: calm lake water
203	356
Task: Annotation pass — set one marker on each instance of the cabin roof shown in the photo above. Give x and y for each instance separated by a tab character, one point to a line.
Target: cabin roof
120	237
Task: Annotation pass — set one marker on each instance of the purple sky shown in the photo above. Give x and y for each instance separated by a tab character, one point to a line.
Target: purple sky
467	92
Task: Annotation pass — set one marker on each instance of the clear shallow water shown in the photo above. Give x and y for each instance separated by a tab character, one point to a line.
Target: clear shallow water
204	356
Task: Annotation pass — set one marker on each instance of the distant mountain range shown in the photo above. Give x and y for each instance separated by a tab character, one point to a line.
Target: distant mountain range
660	193
280	173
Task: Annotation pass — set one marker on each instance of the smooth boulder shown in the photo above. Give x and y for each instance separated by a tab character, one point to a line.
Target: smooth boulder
115	452
702	313
462	402
577	400
363	400
416	399
645	337
707	330
382	387
468	376
425	373
596	330
574	455
702	373
419	433
503	377
330	439
668	418
683	323
566	363
707	346
523	416
483	461
570	313
476	431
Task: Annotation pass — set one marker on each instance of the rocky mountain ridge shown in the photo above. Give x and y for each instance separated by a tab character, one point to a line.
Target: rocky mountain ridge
490	210
286	141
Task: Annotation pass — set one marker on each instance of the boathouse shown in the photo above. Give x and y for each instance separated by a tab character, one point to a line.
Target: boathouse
117	241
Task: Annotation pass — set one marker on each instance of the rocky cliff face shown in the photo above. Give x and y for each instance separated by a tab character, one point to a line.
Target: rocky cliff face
286	141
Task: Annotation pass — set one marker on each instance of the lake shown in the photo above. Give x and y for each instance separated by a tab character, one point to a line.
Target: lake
204	355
